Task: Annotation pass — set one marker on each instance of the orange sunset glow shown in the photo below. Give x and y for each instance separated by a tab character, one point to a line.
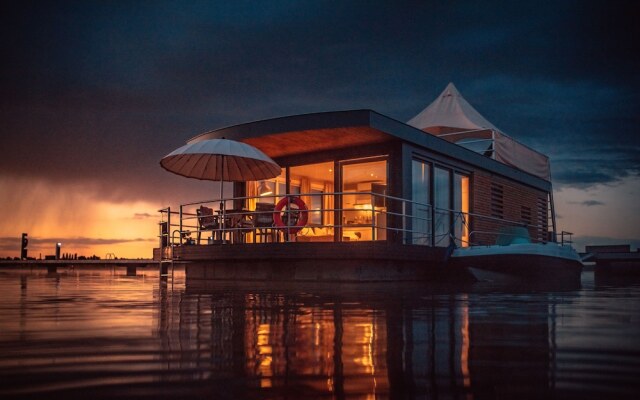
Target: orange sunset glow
85	225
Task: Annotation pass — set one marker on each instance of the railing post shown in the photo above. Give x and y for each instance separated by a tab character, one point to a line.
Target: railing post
405	234
161	232
223	221
180	240
168	226
432	226
288	215
373	217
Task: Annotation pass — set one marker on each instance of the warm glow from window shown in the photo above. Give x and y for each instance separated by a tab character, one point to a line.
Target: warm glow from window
465	210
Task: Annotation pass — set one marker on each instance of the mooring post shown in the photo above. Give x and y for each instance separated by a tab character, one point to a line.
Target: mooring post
164	268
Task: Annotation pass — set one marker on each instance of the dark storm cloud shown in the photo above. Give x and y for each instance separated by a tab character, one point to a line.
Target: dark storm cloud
591	203
101	91
143	216
588	203
584	173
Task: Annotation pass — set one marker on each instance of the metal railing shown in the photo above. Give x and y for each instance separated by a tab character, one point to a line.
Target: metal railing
233	222
373	216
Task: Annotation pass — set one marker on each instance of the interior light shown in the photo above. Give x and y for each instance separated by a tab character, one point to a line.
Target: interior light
264	189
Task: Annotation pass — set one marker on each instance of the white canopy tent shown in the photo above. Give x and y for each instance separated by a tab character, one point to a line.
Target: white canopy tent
451	117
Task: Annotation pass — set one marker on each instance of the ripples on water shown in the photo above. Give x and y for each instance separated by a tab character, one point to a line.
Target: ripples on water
102	334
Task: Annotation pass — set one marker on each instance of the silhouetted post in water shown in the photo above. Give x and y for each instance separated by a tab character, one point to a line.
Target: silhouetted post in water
53	268
25	243
164	270
131	270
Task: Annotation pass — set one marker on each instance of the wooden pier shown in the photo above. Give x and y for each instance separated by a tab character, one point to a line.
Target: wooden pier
618	263
52	266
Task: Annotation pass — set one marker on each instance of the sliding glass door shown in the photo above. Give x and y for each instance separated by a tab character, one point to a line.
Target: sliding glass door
440	208
420	232
442	205
364	208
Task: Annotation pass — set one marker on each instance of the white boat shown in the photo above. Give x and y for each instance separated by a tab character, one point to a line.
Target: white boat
517	258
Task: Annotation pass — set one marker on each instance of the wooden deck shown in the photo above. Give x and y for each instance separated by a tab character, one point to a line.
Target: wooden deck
362	261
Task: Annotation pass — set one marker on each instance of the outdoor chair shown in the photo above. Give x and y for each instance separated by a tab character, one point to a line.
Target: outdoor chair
238	223
206	221
263	223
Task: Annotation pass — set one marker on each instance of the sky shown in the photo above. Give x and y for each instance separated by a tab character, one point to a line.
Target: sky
94	94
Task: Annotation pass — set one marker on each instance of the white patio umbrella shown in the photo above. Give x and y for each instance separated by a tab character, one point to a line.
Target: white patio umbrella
220	160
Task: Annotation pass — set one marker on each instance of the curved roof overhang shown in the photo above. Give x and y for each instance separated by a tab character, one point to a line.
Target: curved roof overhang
306	133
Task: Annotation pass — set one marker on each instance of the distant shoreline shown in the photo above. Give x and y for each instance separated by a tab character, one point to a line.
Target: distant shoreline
16	264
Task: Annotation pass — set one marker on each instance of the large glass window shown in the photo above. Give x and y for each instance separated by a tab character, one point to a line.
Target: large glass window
266	191
421	209
364	184
442	203
314	184
461	209
316	207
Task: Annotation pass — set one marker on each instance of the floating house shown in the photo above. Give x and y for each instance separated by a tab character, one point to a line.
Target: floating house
362	196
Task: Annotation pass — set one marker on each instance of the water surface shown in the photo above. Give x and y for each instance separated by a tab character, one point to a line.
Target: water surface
103	334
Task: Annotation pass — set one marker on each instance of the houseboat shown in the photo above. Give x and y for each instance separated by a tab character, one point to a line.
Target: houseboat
363	197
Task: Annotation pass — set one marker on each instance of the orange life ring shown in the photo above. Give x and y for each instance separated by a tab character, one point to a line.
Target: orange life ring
300	216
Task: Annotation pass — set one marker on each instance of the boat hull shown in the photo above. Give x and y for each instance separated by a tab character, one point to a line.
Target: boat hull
518	262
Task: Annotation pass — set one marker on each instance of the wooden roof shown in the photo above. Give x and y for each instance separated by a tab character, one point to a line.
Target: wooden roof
300	142
305	133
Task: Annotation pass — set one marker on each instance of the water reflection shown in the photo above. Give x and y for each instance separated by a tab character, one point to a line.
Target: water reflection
367	340
104	334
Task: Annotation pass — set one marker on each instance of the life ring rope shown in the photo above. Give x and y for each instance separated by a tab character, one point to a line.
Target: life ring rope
302	213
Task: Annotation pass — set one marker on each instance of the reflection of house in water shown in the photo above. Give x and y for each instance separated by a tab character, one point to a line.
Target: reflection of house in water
360	345
444	345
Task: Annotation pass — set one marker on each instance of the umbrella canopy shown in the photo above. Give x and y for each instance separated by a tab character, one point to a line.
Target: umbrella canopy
220	160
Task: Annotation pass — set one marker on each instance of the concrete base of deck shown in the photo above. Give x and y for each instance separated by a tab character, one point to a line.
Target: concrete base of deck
361	262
